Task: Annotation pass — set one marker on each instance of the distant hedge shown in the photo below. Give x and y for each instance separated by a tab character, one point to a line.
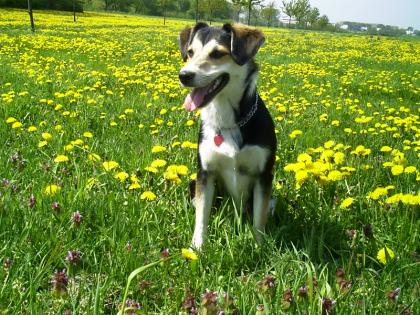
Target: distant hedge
64	5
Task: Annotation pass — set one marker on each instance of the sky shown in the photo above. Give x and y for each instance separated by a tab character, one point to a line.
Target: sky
402	13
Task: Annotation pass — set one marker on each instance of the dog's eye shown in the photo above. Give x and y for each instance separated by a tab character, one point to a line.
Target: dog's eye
217	54
190	53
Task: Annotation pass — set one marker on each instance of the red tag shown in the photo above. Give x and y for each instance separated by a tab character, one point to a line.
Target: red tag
218	140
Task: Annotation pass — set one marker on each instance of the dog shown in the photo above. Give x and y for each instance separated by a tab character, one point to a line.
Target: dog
237	141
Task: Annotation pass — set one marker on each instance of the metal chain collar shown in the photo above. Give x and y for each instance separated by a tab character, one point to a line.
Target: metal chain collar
247	118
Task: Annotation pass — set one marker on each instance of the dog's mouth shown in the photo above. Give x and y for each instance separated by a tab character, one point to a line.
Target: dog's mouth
201	96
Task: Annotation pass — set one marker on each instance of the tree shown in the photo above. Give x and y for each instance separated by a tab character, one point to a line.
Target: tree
301	10
238	5
270	13
74	10
65	5
183	5
313	16
215	8
289	9
323	22
31	16
164	6
251	4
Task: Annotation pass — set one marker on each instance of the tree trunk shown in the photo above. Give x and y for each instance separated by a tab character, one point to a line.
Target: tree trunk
74	10
164	13
196	11
31	16
249	11
211	15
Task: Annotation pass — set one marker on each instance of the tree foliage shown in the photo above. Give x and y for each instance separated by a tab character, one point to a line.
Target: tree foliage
64	5
303	14
270	13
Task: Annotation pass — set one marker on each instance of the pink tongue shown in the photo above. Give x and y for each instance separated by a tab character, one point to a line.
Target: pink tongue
195	99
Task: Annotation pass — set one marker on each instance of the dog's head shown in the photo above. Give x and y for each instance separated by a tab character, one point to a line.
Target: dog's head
214	56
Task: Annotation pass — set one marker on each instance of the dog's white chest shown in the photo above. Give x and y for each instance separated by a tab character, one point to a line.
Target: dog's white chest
236	167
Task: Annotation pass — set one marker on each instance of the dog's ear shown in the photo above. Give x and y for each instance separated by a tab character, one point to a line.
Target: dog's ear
186	36
245	42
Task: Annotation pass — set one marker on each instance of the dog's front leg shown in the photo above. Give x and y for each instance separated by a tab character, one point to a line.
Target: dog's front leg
262	194
204	192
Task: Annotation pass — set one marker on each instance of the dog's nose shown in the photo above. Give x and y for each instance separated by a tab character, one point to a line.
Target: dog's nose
186	77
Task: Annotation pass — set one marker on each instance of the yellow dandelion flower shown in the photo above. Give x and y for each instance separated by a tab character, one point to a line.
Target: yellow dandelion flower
133	186
193	176
93	157
361	150
46	136
387	164
410	199
386	149
295	133
346	203
304	157
134	178
182	170
32	128
385	255
151	169
189	254
61	158
16	124
158	163
109	165
158	148
335	175
294	167
92	181
68	147
11	120
42	144
148	195
397	170
301	176
379	192
51	190
410	169
190	122
186	144
339	158
329	144
87	134
121	176
171	176
77	142
394	199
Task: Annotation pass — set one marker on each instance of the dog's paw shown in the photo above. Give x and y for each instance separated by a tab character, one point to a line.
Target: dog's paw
272	206
197	242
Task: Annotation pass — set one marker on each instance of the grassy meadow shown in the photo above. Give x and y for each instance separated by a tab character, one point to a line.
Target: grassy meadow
97	153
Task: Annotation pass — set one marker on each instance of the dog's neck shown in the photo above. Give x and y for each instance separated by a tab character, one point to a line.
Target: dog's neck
230	105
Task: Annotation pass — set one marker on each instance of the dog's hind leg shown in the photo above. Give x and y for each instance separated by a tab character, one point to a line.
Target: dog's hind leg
261	205
204	192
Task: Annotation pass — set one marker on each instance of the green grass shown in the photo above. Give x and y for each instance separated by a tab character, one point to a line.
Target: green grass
303	76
